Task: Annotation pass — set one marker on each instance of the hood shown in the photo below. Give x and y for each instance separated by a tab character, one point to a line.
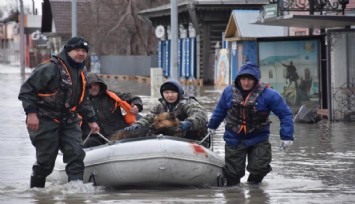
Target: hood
249	68
176	84
94	78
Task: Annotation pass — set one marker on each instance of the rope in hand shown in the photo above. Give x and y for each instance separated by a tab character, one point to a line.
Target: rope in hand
211	140
98	133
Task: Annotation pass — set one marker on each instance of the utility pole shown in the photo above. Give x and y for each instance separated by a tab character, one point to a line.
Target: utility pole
73	18
174	40
22	39
33	8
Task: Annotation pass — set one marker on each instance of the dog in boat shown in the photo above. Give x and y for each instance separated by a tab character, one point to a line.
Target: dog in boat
165	123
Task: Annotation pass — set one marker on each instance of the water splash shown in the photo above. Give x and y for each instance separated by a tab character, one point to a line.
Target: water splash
74	187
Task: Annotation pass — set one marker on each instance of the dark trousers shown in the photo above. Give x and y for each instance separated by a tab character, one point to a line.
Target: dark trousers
259	159
51	137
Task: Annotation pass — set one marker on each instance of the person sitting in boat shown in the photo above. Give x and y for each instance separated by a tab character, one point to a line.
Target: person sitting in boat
108	107
188	110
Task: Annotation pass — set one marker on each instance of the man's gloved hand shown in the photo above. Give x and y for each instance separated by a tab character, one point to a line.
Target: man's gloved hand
286	143
211	131
185	125
132	127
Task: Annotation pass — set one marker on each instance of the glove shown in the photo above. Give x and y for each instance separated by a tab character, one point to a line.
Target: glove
286	143
185	125
211	131
132	127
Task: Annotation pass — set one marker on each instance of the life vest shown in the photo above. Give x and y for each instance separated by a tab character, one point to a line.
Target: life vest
129	118
243	116
57	105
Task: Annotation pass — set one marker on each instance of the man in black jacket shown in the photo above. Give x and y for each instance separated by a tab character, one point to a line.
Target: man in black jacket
52	97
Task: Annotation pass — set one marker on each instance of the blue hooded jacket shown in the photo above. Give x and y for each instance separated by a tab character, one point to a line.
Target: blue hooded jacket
268	100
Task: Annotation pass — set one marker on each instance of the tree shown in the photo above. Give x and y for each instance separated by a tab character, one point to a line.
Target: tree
114	27
10	8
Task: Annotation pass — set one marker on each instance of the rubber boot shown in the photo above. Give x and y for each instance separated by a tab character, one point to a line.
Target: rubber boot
75	178
37	181
233	181
255	179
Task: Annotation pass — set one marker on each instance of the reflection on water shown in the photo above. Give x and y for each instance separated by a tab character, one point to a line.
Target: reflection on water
319	168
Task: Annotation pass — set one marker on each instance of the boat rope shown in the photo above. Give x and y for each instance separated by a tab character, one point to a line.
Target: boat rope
209	135
99	134
221	181
103	137
212	142
92	177
87	137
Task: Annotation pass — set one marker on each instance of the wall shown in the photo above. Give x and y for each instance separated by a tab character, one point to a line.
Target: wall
342	74
127	65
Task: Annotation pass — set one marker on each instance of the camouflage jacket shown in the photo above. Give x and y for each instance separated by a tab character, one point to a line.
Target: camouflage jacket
186	109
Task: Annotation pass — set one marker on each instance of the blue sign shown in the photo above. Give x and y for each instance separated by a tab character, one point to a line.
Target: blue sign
166	68
183	63
234	61
192	58
160	53
180	57
187	67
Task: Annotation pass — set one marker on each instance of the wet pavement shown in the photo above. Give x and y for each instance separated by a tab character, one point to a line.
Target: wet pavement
318	168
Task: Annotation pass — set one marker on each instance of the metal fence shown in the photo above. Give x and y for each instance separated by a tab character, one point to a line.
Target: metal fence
341	44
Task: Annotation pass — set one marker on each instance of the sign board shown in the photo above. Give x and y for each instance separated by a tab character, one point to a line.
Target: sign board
270	11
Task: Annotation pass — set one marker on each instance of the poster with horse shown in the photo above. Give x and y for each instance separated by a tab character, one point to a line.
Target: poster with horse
291	66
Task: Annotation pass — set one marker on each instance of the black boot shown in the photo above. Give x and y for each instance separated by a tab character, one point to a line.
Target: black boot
233	181
75	178
255	179
37	181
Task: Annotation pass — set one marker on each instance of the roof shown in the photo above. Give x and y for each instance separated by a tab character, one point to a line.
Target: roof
309	21
239	27
211	3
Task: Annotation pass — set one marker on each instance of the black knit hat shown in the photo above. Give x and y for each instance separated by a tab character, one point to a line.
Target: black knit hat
76	42
168	86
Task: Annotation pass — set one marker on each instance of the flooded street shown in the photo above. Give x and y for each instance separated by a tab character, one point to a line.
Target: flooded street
318	168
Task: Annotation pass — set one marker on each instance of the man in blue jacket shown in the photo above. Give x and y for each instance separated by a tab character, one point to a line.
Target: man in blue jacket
246	107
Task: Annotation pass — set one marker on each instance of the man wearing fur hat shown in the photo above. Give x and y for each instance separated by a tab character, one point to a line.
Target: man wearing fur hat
245	107
188	110
107	107
52	97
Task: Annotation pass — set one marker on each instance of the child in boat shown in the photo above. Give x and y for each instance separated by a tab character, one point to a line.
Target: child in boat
188	110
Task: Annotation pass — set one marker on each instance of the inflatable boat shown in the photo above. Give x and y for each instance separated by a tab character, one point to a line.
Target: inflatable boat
307	114
148	161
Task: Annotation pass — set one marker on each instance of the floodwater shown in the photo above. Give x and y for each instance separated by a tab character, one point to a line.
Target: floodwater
318	168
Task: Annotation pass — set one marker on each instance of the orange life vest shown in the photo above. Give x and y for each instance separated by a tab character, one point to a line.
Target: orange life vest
129	118
60	96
